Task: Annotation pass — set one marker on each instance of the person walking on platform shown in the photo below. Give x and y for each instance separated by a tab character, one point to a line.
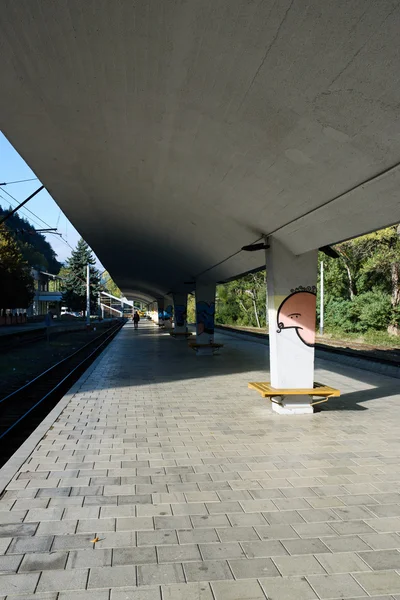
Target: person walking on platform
136	320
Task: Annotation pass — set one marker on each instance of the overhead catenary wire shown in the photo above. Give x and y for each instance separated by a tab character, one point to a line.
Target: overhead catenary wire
19	181
22	209
32	213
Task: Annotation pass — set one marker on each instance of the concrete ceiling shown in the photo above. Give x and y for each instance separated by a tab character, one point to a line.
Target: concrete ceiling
173	132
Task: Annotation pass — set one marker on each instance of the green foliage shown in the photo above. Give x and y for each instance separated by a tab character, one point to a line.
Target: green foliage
35	249
16	281
368	311
74	283
109	285
191	309
362	288
242	301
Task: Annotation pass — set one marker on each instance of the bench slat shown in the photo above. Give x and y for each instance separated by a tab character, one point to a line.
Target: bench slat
266	390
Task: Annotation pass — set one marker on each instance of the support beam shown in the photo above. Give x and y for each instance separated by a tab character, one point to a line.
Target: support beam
180	313
205	317
291	288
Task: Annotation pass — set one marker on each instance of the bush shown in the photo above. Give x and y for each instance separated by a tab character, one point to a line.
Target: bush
371	310
374	310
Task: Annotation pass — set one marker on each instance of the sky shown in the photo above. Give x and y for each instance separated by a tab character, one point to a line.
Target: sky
46	212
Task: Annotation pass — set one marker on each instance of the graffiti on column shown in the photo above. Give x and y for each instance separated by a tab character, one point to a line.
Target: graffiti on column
205	317
168	312
297	311
180	315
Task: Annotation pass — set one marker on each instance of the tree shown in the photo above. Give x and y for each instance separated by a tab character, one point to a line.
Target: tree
74	283
16	281
242	301
109	285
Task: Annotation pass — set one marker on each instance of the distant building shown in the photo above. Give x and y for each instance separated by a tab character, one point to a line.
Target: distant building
48	295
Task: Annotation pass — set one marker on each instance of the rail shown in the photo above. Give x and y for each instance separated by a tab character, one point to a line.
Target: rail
37	397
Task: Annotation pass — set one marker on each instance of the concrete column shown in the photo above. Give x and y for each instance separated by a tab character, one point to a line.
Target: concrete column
168	312
180	313
291	288
160	308
205	315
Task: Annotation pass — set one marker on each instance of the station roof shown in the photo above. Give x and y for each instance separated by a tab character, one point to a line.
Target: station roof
172	133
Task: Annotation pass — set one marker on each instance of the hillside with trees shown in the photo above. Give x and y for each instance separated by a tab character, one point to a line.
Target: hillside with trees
16	281
34	247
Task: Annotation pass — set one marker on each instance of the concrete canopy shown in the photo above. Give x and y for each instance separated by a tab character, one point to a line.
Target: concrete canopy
174	132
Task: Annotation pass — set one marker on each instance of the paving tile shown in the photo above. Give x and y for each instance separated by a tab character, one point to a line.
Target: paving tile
57	581
287	588
130	593
224	507
335	586
221	551
382	560
56	527
30	544
253	567
351	527
73	542
379	582
44	561
284	517
178	553
237	534
207	570
290	566
305	546
93	557
263	549
109	577
342	562
44	596
134	556
17	529
276	532
10	563
136	524
185	591
381	541
24	583
153	538
83	595
160	574
217	520
237	590
4	544
198	536
311	530
348	543
194	508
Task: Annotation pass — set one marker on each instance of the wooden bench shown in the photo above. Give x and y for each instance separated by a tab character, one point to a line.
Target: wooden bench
180	334
267	391
214	346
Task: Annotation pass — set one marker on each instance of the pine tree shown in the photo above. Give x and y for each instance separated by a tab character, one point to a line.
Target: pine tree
74	285
16	281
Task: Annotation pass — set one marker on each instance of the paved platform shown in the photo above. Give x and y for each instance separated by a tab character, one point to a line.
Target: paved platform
195	490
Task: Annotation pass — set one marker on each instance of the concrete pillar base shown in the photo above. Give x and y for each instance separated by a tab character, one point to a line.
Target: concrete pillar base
293	405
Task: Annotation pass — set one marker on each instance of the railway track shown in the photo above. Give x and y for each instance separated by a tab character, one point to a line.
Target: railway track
23	410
